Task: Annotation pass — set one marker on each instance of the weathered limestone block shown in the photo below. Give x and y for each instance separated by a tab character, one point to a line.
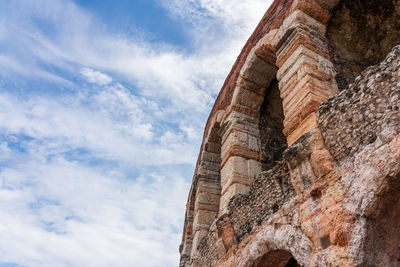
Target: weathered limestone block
238	120
238	138
265	48
321	162
257	70
344	226
203	219
238	167
207	198
306	75
231	191
297	19
212	147
210	157
208	172
302	36
187	248
248	99
240	155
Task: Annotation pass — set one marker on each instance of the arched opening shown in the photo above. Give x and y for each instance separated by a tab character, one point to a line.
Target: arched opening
277	258
361	33
382	242
209	176
273	141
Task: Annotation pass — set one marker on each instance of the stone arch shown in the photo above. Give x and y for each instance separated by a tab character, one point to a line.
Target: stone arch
273	239
208	186
241	143
361	34
297	55
204	196
185	248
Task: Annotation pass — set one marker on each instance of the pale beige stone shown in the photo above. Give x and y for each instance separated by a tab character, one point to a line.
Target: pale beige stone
257	70
232	191
203	219
247	98
240	139
238	166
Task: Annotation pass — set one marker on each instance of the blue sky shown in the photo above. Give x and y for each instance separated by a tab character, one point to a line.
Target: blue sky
102	110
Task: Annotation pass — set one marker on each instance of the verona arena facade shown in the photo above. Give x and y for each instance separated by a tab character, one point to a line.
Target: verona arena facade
300	160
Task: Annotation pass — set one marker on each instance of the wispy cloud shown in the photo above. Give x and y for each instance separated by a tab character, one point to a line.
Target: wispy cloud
99	130
96	77
63	214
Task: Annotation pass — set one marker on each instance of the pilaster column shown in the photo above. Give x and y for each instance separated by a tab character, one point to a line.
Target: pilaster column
240	156
186	246
306	75
208	189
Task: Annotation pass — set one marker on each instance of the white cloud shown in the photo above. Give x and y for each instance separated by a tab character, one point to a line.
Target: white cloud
113	129
96	77
71	215
5	151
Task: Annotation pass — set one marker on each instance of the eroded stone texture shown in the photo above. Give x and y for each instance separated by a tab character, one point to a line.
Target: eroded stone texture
382	241
331	198
366	111
361	34
266	196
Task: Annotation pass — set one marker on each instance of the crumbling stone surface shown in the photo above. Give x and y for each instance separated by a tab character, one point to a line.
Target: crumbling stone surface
317	210
267	194
208	249
382	244
331	198
352	120
361	34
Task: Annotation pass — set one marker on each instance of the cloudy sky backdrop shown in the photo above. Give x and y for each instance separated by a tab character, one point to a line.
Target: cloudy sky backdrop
102	109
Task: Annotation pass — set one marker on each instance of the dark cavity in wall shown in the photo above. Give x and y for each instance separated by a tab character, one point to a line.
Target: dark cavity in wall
276	258
273	142
361	33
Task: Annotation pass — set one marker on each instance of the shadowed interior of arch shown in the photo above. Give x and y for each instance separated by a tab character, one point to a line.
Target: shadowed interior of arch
273	141
276	258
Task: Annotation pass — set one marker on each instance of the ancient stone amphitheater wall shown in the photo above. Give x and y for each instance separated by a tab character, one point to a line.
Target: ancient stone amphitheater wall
300	161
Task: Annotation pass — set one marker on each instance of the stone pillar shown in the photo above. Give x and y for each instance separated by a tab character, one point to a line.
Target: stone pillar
306	75
240	156
208	189
205	211
186	246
